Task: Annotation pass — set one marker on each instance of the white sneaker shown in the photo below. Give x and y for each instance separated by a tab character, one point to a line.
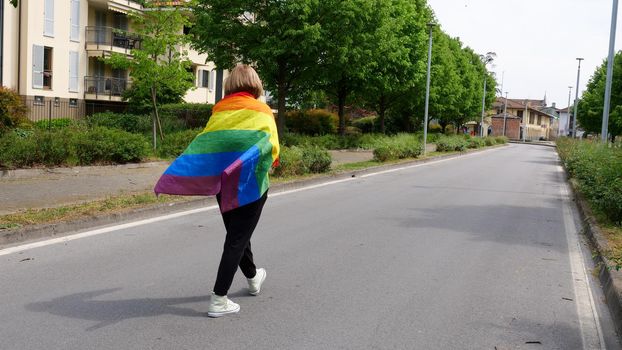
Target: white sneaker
254	284
220	306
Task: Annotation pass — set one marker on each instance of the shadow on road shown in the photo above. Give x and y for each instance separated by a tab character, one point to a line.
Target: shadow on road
108	312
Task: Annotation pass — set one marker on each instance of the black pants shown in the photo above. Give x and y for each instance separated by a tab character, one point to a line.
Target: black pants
240	224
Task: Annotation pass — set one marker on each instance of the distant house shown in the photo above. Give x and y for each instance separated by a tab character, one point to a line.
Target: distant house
537	120
565	121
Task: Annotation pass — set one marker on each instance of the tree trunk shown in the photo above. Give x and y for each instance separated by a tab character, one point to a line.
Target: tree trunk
341	102
282	95
382	109
156	115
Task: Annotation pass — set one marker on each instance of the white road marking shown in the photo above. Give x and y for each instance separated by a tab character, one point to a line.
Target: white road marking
23	247
589	322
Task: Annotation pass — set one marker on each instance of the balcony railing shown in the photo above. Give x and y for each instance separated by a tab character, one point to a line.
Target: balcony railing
104	37
105	87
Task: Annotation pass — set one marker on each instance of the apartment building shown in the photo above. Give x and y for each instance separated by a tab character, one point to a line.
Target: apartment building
50	52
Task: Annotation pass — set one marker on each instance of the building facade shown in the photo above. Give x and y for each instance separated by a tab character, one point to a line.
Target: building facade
537	121
51	50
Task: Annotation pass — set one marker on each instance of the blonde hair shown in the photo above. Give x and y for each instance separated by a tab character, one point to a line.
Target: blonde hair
243	78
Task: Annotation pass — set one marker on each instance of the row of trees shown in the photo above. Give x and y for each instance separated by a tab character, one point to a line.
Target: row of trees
591	105
370	53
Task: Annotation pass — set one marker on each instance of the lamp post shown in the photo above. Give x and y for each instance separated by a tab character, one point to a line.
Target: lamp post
505	112
490	56
612	39
427	91
567	129
576	101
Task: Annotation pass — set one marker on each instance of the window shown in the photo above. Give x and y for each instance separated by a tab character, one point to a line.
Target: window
73	102
42	67
74	33
39	101
204	79
520	114
539	120
56	101
532	119
73	71
48	18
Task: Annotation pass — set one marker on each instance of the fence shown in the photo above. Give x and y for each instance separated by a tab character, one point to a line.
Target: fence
48	109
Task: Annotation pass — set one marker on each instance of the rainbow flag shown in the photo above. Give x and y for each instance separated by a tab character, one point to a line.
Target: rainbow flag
231	156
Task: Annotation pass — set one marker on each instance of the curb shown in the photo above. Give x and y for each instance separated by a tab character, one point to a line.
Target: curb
22	235
33	172
535	143
611	280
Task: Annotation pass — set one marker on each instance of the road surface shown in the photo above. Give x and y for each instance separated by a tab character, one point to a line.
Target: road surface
478	252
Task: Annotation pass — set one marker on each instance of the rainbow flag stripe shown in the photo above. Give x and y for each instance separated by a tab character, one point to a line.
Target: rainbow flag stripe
231	156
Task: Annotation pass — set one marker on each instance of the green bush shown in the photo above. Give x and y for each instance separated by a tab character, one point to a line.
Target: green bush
123	121
300	160
311	122
290	162
451	143
58	123
475	142
103	145
400	146
597	169
17	151
316	160
502	140
70	146
366	124
193	115
490	141
12	110
175	143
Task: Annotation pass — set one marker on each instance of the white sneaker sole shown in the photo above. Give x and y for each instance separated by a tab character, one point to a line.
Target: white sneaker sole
221	313
255	293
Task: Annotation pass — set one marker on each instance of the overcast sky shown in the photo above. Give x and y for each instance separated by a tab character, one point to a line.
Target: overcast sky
536	41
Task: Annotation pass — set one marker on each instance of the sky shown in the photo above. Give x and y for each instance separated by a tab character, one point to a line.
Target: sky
536	41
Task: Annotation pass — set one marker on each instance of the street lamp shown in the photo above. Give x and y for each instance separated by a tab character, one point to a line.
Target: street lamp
490	56
612	38
505	111
576	101
427	91
567	129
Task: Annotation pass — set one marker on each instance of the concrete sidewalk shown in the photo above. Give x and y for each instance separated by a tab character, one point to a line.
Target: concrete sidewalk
47	188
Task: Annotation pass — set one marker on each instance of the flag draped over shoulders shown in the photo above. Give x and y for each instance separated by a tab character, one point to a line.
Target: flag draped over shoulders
231	156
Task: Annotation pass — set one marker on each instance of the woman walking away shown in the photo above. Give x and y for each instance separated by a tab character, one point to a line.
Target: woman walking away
231	159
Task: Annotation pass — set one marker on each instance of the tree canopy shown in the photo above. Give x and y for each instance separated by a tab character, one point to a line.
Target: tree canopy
591	105
370	53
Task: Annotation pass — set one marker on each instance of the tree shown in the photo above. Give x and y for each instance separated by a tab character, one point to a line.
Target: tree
346	59
592	102
280	37
159	67
399	59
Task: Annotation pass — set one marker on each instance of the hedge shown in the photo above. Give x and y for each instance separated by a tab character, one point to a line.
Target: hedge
12	110
311	122
451	143
175	143
598	171
192	115
71	146
398	147
300	160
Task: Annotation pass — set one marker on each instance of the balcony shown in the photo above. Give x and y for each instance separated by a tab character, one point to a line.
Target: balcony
105	88
123	6
100	41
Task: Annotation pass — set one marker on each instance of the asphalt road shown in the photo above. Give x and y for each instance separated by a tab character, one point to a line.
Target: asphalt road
478	252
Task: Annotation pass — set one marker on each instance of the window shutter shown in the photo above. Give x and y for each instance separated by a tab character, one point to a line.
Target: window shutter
37	67
48	14
212	79
73	71
75	20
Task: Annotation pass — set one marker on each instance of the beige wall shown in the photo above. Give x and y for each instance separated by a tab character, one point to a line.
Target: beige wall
32	27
